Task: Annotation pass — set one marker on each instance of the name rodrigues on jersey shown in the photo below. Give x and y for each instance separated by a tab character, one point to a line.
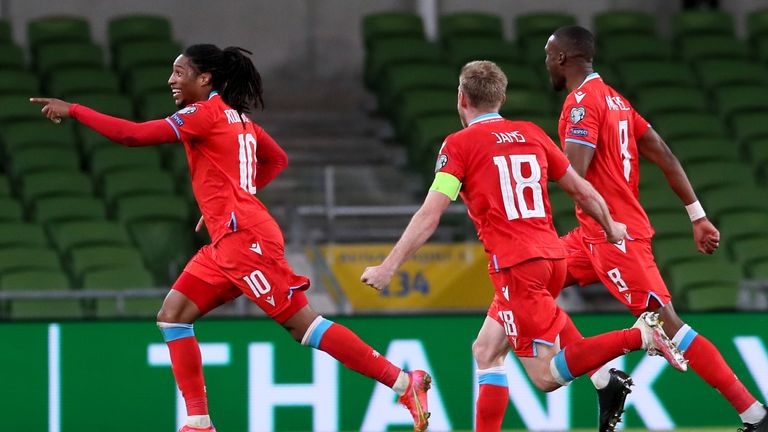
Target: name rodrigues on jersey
615	103
235	117
508	137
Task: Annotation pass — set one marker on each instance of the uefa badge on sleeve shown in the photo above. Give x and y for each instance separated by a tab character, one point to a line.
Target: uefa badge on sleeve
577	114
442	160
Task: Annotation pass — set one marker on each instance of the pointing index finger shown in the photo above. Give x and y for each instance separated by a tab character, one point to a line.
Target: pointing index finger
40	100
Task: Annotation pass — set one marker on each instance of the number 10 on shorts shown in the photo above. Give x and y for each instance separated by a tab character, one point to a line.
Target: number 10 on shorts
258	283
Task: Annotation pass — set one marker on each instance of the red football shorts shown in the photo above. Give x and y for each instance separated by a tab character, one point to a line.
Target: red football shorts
250	262
629	272
524	306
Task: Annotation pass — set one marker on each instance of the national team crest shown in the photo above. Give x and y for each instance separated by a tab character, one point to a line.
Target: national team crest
577	114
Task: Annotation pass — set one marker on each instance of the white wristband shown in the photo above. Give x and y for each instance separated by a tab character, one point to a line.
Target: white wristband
695	211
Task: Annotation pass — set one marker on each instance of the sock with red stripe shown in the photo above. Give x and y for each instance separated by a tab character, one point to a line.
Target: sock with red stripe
709	364
346	347
187	366
590	353
493	399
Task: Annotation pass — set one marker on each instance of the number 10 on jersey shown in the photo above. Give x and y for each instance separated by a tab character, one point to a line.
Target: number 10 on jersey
247	162
521	183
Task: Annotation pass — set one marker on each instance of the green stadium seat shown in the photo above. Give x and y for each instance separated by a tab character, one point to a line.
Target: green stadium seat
18	82
663	100
123	278
55	56
148	79
15	259
130	56
152	207
177	162
702	23
547	122
68	82
760	49
22	234
399	80
118	158
10	210
715	74
68	209
412	105
44	159
750	250
17	108
6	36
533	51
640	75
91	141
460	25
541	24
5	187
712	297
659	199
675	250
759	271
694	150
156	105
138	28
651	176
118	185
520	76
45	306
757	23
382	25
619	49
707	176
671	224
522	102
425	137
87	259
689	125
733	101
69	235
614	23
750	127
464	50
742	225
732	197
758	156
395	51
565	223
11	57
57	29
697	48
111	104
701	273
58	183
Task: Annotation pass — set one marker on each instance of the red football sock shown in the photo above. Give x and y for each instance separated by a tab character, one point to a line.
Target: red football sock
187	365
491	406
591	353
345	346
709	364
570	334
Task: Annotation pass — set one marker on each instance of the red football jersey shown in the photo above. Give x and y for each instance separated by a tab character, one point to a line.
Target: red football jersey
597	116
504	167
221	147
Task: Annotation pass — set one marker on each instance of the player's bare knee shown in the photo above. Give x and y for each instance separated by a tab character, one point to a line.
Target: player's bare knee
545	382
168	314
485	355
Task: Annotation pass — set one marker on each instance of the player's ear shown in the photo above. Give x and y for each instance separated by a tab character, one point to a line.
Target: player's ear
205	78
463	100
561	58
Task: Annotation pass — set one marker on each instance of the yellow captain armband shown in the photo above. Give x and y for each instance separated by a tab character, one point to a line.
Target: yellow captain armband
446	184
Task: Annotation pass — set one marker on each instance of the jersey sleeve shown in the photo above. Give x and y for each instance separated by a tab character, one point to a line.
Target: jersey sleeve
640	124
557	162
582	120
450	159
191	122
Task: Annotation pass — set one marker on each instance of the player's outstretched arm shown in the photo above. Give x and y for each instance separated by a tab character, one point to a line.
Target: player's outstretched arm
652	147
419	230
124	132
593	204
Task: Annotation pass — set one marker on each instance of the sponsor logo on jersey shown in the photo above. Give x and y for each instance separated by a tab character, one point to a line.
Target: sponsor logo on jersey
188	110
442	161
579	132
177	119
579	96
577	114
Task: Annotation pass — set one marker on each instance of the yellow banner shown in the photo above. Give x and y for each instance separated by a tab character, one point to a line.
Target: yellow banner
438	276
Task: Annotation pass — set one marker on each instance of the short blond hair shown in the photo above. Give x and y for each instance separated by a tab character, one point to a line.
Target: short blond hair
484	83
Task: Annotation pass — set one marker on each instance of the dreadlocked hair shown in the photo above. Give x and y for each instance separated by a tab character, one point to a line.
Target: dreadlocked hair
233	74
